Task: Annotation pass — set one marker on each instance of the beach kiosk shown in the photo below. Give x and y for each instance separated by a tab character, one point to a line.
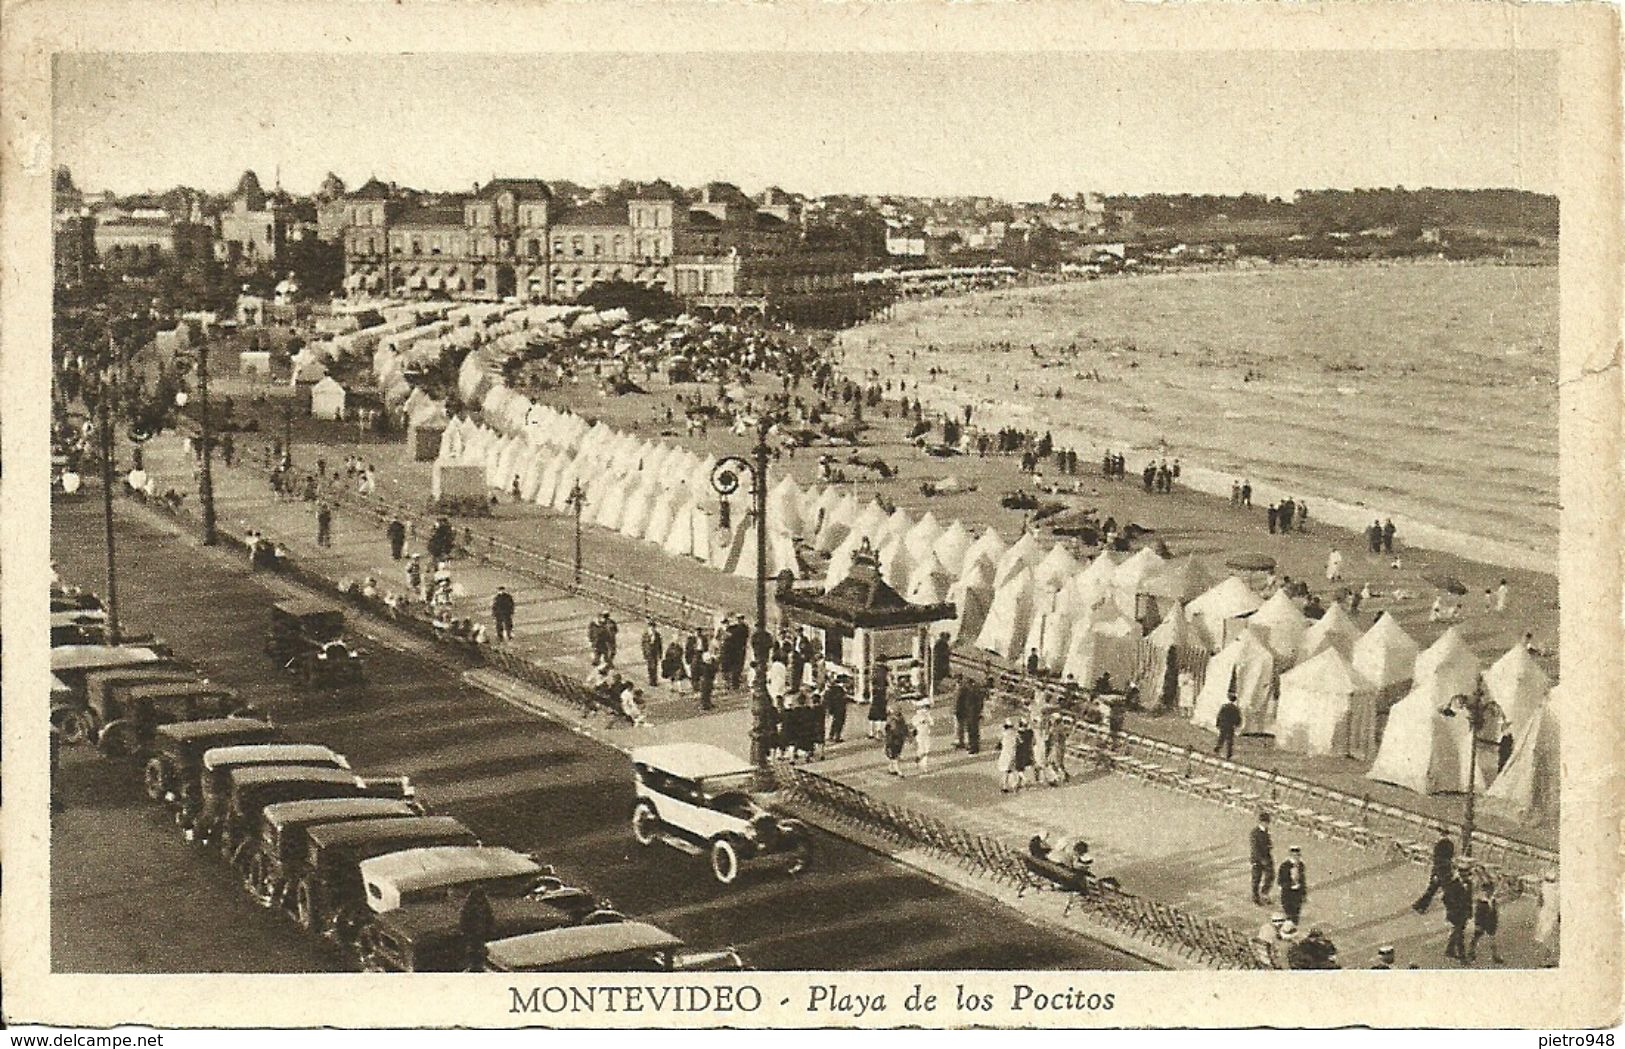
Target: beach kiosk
864	623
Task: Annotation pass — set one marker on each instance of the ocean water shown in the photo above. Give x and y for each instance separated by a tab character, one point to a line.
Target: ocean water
1422	392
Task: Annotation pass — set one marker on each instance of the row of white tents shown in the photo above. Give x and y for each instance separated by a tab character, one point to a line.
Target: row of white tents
1319	686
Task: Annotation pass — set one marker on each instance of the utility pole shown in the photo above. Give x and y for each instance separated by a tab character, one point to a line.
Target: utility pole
576	500
106	434
206	476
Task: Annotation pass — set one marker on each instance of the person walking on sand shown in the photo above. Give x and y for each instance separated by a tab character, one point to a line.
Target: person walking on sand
1273	515
877	701
652	645
1334	566
397	538
502	608
1458	910
1388	536
1501	597
1444	860
1227	722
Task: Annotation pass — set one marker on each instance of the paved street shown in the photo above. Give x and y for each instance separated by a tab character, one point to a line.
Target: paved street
130	897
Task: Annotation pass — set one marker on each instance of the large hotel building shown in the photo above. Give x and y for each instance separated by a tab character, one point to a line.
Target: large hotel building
514	238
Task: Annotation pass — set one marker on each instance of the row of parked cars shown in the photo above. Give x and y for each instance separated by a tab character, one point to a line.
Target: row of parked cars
357	859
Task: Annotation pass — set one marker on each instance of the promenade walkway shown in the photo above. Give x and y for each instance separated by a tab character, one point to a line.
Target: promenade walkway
1161	843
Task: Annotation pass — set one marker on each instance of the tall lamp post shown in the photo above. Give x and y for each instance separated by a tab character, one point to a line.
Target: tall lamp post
725	479
205	442
576	500
1478	708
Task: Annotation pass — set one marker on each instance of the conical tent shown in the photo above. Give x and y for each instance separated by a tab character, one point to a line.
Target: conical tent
894	527
611	504
1385	656
837	524
1107	644
840	560
951	547
1057	568
1051	633
1336	629
1449	662
1176	634
868	522
1023	553
1326	708
1134	576
1183	580
1004	631
1219	604
1518	686
1530	787
658	527
1423	749
928	577
1246	667
1281	626
895	563
680	536
988	546
923	536
971	604
781	554
635	518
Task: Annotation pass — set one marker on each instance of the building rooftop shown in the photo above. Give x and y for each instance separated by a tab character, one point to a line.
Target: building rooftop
371	189
592	215
522	188
445	214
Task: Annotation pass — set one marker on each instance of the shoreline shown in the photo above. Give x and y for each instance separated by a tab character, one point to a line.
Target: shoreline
1071	427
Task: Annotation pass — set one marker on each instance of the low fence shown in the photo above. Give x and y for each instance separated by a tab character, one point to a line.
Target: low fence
1200	940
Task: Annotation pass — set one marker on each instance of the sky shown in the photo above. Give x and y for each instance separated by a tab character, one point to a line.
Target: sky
1016	126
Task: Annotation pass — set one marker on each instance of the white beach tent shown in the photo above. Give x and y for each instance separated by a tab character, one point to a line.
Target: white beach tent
1134	576
679	541
971	595
1182	580
840	560
781	554
1248	664
951	547
639	504
1023	554
1051	632
895	527
1423	749
1336	629
1518	686
658	527
1004	631
1057	568
611	504
1385	656
1108	643
1281	625
1530	787
1450	663
895	563
1218	605
837	524
1175	639
989	547
1326	707
929	576
920	539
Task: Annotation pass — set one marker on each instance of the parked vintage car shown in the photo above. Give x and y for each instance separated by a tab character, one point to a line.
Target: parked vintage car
110	720
278	856
218	763
174	767
696	798
620	947
450	935
78	626
131	714
329	896
307	638
72	663
250	789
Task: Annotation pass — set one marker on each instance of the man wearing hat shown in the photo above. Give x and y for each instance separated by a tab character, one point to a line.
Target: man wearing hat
502	608
653	646
1263	858
1269	946
1293	881
1444	858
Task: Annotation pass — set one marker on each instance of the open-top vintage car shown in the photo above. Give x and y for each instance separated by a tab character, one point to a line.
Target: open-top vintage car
328	896
697	798
450	935
626	946
236	815
278	856
174	767
307	638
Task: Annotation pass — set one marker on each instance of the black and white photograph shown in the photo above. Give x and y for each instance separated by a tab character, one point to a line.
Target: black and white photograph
742	513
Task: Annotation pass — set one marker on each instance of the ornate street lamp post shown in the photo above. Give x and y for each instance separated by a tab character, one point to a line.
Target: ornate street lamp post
104	410
205	444
725	479
576	500
1478	708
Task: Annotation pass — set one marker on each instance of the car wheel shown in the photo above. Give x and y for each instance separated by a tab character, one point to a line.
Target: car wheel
724	861
156	778
256	879
645	824
118	739
77	727
305	911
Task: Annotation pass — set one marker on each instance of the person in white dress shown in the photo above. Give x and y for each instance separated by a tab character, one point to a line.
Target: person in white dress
922	734
1548	917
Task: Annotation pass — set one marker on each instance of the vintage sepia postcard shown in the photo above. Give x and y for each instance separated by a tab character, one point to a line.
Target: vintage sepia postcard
908	515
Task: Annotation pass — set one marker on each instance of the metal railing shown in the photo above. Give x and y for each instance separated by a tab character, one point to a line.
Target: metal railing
1200	940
